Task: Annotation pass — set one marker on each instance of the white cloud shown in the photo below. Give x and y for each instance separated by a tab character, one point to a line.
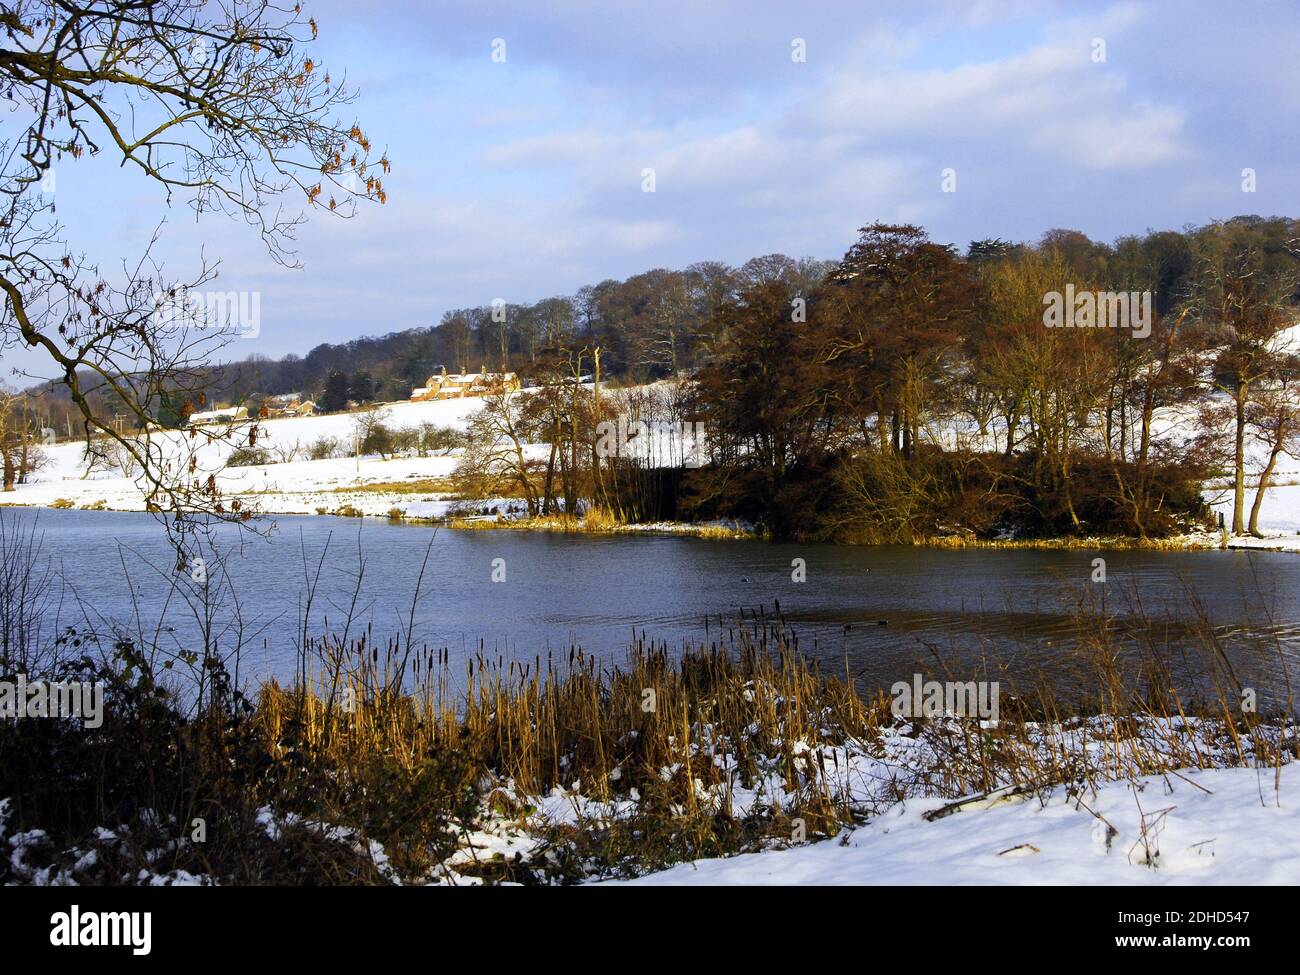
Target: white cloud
1142	136
527	181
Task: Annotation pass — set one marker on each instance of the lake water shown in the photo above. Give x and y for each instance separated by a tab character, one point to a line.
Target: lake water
885	612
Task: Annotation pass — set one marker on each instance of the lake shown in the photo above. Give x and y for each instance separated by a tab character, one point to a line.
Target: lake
882	612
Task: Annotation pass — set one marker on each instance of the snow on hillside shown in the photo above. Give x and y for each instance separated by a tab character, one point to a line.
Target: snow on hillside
1216	827
303	486
300	486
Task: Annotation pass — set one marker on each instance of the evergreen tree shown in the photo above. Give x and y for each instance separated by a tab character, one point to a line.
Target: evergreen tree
335	396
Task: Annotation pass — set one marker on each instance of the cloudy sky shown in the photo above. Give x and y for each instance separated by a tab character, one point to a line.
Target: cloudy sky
523	179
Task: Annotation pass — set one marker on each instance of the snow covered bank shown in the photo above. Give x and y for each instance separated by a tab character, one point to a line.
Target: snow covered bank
1208	817
1279	516
1213	826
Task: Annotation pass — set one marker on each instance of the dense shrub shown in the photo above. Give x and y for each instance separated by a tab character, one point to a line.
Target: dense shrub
247	457
880	497
119	804
326	448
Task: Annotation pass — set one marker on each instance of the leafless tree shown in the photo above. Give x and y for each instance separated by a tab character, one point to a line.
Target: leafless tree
1243	299
1274	422
20	454
496	458
214	105
371	432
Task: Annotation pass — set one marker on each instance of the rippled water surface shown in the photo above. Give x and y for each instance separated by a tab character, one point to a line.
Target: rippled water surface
881	612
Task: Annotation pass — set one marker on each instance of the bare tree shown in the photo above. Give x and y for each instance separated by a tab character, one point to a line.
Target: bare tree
20	451
496	458
372	433
1052	380
105	454
1246	308
1274	421
215	105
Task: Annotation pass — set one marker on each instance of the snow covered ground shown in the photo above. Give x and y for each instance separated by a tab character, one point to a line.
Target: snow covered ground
296	487
1218	823
1279	517
313	486
1218	826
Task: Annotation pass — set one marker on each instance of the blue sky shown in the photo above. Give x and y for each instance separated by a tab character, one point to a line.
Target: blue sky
523	179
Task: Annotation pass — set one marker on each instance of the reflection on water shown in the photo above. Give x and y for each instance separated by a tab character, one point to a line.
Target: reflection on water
882	612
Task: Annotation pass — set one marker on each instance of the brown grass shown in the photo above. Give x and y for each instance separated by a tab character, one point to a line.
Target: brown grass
1174	544
597	521
425	485
682	731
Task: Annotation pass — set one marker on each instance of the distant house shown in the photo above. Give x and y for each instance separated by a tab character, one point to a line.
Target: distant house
288	408
229	414
285	404
454	385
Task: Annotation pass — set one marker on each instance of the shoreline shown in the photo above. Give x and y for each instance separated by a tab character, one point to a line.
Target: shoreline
721	529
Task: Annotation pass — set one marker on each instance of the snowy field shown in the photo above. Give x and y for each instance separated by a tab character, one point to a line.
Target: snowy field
1279	518
296	487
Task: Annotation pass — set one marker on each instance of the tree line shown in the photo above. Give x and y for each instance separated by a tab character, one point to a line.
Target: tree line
905	390
910	390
